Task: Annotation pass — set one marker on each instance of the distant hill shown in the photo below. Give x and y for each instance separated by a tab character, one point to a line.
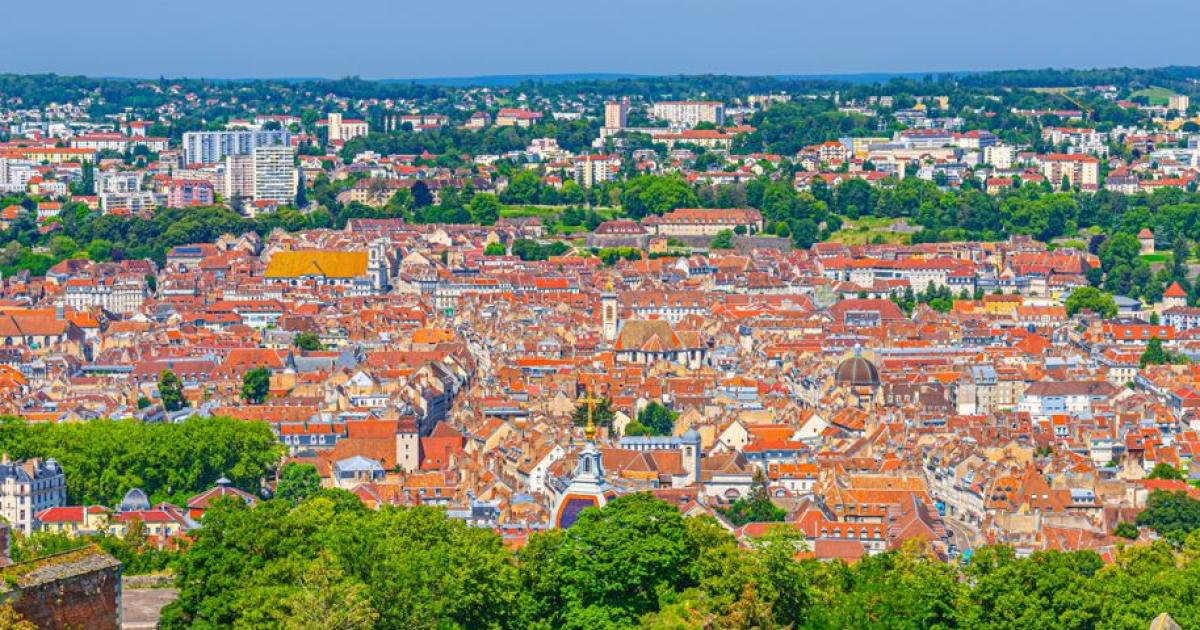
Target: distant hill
500	80
867	78
503	80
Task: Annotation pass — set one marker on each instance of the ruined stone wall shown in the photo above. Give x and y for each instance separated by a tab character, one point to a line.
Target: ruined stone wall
78	589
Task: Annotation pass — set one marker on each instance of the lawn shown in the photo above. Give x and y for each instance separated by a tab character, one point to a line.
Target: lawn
870	230
1156	95
550	216
550	212
1157	257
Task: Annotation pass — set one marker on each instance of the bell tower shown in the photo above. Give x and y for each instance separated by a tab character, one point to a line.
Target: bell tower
608	312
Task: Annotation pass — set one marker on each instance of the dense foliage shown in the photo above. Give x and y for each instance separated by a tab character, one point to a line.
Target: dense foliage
636	563
653	419
104	459
1174	515
756	506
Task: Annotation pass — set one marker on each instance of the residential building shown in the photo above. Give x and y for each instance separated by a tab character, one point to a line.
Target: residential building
210	147
29	487
689	113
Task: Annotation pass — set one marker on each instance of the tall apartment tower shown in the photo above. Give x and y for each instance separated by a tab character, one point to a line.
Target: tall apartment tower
238	178
275	174
616	114
335	126
210	147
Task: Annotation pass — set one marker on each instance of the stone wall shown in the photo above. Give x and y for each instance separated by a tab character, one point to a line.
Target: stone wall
77	589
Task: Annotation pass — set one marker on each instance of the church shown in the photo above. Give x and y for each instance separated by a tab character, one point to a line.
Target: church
588	488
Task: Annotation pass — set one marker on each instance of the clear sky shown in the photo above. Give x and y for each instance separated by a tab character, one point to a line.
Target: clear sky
435	38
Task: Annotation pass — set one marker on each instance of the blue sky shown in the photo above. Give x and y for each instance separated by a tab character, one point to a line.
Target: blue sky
434	38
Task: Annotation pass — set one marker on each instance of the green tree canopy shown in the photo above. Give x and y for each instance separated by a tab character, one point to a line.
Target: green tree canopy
170	391
308	341
1091	299
297	482
104	459
256	384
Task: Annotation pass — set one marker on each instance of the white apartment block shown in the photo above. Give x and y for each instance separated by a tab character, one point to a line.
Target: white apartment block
128	202
237	178
118	182
594	169
275	174
1000	156
15	174
209	147
689	113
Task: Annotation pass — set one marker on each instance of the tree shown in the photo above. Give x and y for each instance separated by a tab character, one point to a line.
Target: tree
755	507
1125	529
328	600
170	391
297	482
1092	299
602	414
421	197
1163	470
308	341
104	459
411	567
1121	249
1170	513
484	208
494	249
256	384
609	568
723	240
1154	354
657	418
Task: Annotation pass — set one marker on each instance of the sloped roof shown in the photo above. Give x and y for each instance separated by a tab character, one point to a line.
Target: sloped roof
326	264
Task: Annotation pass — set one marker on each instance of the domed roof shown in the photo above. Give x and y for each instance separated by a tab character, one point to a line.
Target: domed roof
857	372
135	500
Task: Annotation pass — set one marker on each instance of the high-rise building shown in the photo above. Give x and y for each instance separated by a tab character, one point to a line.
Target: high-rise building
237	181
275	174
594	169
689	113
1179	103
616	114
210	147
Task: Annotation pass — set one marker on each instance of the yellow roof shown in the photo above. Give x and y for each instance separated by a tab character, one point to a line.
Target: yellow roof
317	263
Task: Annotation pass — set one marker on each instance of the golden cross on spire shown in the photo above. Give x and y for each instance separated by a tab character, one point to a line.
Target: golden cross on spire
590	430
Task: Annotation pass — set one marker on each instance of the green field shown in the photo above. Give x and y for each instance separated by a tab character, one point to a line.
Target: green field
550	215
1156	95
870	230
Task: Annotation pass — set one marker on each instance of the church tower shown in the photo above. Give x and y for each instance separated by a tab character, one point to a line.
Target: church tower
408	446
608	312
588	487
690	443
